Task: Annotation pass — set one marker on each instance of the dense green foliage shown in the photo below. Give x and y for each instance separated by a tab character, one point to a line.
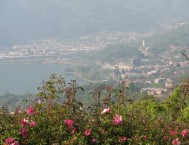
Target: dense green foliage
113	118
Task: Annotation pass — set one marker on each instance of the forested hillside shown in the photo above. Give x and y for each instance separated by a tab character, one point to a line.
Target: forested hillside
11	100
156	44
178	36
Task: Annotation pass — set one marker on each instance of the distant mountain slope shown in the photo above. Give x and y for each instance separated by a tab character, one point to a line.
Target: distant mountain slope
21	21
12	100
114	54
179	36
157	44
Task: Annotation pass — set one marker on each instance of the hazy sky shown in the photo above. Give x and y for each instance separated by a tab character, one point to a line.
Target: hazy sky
23	20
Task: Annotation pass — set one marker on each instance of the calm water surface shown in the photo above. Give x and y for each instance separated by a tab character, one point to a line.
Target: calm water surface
22	78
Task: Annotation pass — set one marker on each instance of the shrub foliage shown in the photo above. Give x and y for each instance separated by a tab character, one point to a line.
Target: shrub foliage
55	117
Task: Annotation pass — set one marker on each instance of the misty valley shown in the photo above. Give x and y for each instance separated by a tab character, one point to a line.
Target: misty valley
94	72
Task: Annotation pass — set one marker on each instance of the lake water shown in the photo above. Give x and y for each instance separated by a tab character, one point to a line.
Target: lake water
22	78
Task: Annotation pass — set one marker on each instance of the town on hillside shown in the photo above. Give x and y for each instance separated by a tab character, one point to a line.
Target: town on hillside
157	73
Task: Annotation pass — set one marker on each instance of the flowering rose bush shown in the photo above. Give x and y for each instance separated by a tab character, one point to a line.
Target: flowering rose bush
11	141
69	122
106	110
56	117
117	119
30	110
176	141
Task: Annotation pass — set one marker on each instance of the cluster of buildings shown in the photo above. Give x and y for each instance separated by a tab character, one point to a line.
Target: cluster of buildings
45	50
156	78
57	51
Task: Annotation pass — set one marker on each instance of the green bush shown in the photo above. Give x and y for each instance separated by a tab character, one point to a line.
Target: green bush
55	117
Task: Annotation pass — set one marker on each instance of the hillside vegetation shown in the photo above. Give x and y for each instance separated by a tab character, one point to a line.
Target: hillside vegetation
178	36
113	118
12	100
158	43
115	53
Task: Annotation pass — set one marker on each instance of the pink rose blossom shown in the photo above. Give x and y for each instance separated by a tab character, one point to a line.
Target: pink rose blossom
69	122
145	137
94	140
172	132
106	110
117	119
24	122
185	132
9	140
30	110
15	143
87	132
165	137
73	131
176	142
32	124
123	139
24	132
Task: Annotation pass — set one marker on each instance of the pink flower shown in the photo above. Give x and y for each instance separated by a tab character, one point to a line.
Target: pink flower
117	119
106	110
94	140
145	137
24	132
172	132
73	131
69	122
165	137
32	124
9	140
185	132
123	139
15	143
24	122
176	142
87	132
30	110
